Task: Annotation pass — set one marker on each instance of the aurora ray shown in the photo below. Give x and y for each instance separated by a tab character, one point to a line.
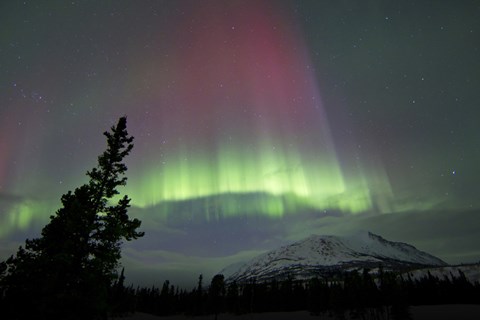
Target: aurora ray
250	118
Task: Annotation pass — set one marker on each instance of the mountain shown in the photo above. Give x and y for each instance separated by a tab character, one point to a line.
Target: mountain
320	255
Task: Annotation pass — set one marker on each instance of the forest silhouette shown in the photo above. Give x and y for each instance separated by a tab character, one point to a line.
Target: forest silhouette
354	294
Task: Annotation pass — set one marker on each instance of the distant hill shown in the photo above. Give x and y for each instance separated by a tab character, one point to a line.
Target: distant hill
320	255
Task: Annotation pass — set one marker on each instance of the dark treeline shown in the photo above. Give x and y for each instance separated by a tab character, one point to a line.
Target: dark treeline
361	295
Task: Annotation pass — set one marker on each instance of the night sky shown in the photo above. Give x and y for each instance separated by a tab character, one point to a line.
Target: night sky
256	123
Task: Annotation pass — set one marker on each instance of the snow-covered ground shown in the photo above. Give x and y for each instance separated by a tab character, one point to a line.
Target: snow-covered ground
441	312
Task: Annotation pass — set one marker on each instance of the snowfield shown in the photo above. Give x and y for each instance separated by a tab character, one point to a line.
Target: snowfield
439	312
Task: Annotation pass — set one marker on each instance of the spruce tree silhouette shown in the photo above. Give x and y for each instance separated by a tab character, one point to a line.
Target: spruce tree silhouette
199	305
68	272
217	293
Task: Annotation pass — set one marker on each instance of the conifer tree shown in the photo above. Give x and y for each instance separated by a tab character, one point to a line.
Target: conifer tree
199	307
216	293
233	298
68	271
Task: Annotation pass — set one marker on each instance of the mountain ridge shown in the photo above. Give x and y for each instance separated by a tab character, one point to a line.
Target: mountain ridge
325	255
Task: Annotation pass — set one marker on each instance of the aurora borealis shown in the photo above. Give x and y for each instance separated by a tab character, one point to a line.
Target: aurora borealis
255	122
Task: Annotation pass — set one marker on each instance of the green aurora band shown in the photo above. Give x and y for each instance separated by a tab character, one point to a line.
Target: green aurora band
292	180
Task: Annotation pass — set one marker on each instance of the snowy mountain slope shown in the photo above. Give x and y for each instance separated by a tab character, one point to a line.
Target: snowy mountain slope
323	255
471	272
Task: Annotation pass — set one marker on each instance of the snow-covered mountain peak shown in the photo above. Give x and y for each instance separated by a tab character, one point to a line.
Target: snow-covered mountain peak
320	254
